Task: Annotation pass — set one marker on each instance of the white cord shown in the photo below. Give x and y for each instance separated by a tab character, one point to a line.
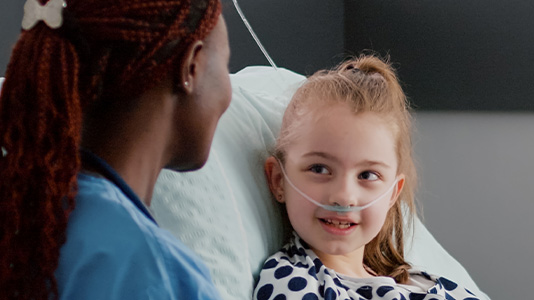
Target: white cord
254	35
336	208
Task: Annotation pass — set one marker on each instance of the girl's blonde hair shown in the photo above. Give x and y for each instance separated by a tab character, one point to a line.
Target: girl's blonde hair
367	84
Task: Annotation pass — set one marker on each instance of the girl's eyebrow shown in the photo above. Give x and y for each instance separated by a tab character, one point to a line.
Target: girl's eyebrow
365	163
374	163
321	154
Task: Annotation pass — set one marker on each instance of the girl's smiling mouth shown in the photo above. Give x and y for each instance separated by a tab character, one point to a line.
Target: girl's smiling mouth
336	226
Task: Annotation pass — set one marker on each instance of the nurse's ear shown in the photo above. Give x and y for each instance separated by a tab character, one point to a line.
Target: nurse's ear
397	190
189	71
275	178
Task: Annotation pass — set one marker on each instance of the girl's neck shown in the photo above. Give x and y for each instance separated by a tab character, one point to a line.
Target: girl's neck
350	264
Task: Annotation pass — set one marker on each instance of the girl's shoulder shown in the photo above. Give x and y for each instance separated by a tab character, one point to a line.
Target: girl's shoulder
296	253
435	284
296	272
293	271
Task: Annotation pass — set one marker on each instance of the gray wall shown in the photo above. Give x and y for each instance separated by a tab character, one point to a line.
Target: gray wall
477	193
452	54
285	28
10	19
303	36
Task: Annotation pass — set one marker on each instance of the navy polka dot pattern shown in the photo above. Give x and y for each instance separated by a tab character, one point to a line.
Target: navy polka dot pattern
330	294
295	272
283	272
313	273
270	264
447	284
297	284
310	296
414	296
265	292
366	292
381	291
338	283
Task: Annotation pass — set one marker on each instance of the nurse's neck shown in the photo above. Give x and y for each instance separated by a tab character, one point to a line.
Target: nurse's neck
140	175
133	139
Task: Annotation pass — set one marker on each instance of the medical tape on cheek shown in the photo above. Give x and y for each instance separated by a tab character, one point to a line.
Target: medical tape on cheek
336	208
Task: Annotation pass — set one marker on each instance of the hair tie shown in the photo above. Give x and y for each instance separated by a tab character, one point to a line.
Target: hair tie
51	13
352	68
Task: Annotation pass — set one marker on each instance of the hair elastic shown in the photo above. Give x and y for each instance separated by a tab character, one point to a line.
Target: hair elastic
336	208
51	13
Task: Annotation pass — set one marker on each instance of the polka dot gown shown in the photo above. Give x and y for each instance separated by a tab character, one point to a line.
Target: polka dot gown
295	272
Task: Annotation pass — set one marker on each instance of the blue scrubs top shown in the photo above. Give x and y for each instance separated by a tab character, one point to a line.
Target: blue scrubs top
115	250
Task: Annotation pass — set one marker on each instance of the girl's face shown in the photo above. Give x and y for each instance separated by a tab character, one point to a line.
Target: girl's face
339	157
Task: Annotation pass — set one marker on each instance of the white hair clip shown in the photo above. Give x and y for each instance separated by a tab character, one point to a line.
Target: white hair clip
50	13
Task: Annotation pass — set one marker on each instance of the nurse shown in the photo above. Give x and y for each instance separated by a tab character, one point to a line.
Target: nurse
99	96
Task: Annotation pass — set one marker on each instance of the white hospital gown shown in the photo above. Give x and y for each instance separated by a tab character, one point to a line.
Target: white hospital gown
295	272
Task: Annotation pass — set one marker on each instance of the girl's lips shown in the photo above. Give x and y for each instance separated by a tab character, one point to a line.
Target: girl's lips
337	226
338	219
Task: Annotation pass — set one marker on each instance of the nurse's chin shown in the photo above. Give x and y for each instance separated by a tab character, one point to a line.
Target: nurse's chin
188	167
188	157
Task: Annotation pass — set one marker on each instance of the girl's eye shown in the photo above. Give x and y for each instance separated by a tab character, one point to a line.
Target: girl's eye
368	175
319	169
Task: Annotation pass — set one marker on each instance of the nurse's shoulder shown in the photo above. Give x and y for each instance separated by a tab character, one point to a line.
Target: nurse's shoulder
114	251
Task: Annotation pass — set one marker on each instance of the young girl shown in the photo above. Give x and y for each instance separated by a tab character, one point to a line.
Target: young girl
343	168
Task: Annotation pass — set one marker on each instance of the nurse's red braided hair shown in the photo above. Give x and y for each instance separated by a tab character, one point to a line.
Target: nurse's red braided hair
104	46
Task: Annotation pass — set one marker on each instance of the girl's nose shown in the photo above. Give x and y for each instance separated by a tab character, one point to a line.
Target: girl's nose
345	193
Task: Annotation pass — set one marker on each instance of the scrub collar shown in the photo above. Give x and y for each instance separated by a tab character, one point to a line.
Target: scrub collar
110	174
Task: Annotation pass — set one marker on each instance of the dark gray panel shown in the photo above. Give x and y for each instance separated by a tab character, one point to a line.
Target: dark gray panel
453	54
303	36
299	35
10	19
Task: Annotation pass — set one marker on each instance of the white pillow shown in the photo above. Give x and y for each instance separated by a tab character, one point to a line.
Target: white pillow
225	212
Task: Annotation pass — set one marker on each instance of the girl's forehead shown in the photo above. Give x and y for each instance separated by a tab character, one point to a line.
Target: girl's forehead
325	110
339	126
314	108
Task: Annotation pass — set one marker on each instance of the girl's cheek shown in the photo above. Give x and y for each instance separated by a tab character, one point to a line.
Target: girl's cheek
375	215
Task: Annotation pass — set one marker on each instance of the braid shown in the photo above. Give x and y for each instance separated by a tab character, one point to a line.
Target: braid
40	117
51	78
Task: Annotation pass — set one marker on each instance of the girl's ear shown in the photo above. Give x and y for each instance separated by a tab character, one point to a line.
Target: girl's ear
397	190
274	178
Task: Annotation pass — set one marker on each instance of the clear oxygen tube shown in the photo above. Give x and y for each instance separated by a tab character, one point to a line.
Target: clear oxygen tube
240	12
336	208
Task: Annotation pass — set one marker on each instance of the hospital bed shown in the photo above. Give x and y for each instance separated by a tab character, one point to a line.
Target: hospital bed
225	212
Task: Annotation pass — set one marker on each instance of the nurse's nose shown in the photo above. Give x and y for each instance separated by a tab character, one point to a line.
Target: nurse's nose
346	192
